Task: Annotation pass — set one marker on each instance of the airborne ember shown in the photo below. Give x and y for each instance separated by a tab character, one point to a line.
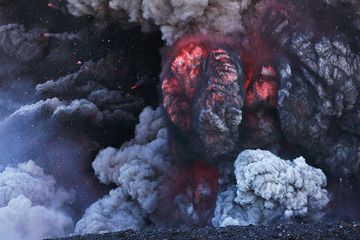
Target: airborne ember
138	114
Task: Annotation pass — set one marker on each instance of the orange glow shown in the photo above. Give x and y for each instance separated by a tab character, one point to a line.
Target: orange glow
262	88
199	182
179	85
204	175
186	67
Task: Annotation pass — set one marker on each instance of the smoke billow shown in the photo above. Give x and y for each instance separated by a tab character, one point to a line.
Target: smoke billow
27	46
66	92
332	61
269	189
140	169
90	86
173	18
31	201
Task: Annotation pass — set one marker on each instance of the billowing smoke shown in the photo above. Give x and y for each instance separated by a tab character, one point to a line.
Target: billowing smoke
140	169
62	99
90	87
32	206
173	18
22	45
269	189
81	153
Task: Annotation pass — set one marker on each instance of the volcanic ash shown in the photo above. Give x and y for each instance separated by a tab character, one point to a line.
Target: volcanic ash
269	188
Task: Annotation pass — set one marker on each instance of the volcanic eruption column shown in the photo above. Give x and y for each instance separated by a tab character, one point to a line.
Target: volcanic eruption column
275	82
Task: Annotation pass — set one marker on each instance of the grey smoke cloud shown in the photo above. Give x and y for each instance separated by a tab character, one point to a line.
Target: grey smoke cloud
178	18
32	206
173	18
140	169
328	79
268	189
60	101
114	212
53	108
63	97
23	45
91	89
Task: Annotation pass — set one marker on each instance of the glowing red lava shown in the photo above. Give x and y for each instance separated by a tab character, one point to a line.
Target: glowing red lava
179	86
262	89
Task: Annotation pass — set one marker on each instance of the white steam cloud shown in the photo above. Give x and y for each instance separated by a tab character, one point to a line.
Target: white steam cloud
269	188
140	169
174	18
31	206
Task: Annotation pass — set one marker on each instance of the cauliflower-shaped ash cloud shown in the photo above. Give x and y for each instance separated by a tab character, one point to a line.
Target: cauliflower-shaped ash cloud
139	169
269	188
174	18
31	205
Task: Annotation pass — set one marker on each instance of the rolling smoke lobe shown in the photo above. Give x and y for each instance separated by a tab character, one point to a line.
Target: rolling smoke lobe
122	114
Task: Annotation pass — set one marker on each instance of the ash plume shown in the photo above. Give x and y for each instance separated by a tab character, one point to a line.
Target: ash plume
38	131
140	169
32	201
94	86
114	212
221	77
23	45
62	99
326	85
268	189
173	18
